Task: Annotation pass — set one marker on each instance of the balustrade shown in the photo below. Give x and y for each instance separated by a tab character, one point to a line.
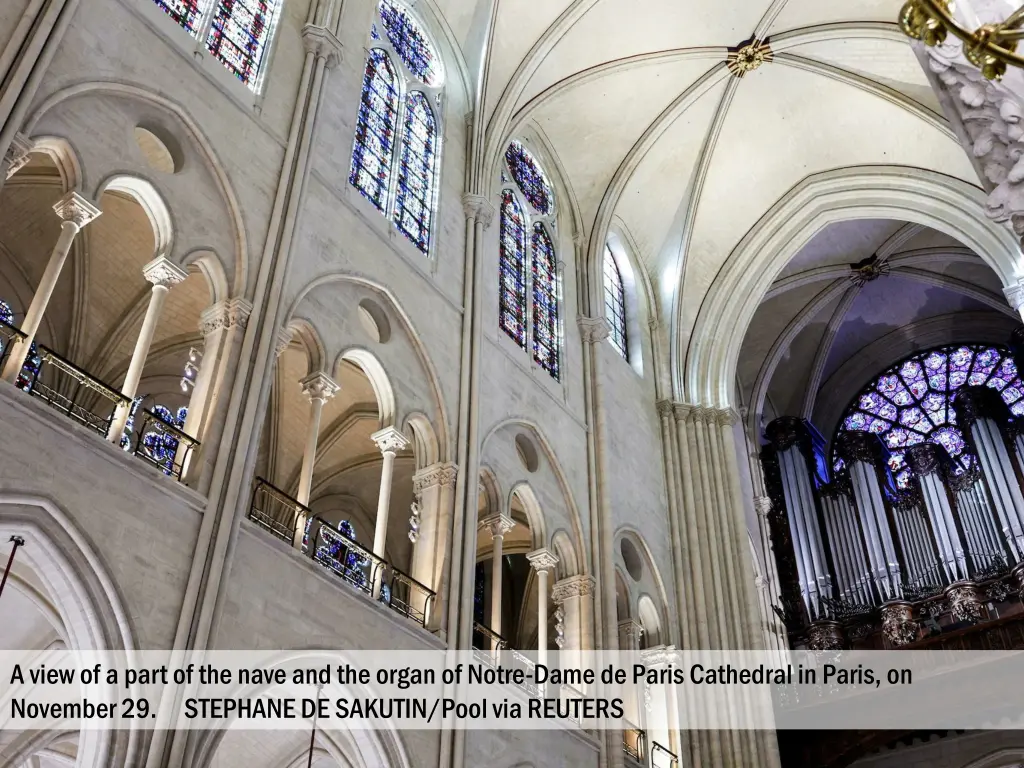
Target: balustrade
663	757
336	549
634	743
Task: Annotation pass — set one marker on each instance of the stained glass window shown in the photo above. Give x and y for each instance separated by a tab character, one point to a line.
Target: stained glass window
530	178
911	402
545	302
375	130
512	269
416	171
410	42
394	160
239	36
188	14
615	303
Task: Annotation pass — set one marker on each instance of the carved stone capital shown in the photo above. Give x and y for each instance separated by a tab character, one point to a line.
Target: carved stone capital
699	414
436	474
223	315
284	338
76	209
478	208
497	525
163	272
542	559
1015	296
390	440
593	329
631	629
321	42
17	155
762	505
660	657
574	586
665	407
319	386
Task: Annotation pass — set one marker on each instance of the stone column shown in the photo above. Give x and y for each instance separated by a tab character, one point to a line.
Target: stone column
575	595
389	441
630	632
663	722
434	488
980	412
497	525
162	273
319	388
724	609
75	212
542	561
221	326
926	461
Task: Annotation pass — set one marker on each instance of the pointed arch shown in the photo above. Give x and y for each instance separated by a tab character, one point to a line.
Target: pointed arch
545	302
414	201
375	129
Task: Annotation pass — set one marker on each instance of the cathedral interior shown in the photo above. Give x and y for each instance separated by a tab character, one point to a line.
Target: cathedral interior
480	324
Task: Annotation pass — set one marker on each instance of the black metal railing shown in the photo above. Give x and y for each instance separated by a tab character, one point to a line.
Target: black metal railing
164	445
634	743
77	394
342	555
486	639
404	595
275	511
662	756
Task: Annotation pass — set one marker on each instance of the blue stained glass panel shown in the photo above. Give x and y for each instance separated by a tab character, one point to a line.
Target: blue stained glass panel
545	302
925	413
410	42
512	270
416	169
239	33
530	178
375	130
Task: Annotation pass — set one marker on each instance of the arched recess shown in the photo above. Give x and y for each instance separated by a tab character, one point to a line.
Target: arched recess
568	564
378	747
200	142
306	335
356	354
152	204
705	369
650	619
531	428
368	363
64	158
425	447
647	581
90	610
527	499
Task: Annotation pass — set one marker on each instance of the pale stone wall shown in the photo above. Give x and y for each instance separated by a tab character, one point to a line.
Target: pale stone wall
986	749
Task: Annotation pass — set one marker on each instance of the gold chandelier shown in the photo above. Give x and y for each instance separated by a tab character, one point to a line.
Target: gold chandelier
990	47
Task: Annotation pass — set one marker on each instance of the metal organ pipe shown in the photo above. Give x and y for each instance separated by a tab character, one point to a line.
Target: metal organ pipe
791	442
979	412
863	453
926	460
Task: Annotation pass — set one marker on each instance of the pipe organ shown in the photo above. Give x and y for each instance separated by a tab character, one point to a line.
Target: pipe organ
856	551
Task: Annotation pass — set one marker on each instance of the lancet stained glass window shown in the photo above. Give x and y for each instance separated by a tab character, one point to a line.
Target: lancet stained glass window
911	402
530	178
416	171
615	303
545	302
410	42
512	269
375	130
239	36
188	14
394	160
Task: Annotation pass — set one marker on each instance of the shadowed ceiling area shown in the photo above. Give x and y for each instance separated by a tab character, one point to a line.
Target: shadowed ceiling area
820	335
